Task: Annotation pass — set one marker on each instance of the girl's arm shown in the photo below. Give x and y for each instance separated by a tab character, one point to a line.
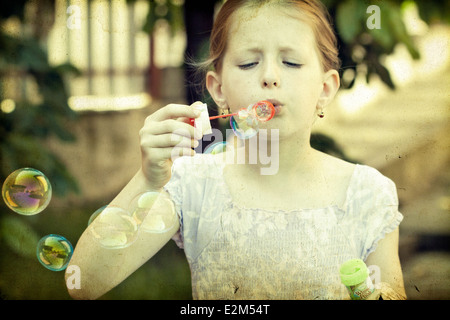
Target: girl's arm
102	269
166	134
386	258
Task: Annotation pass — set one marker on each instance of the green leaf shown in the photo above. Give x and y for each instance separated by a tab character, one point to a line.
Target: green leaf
68	68
397	28
384	75
31	56
384	36
350	19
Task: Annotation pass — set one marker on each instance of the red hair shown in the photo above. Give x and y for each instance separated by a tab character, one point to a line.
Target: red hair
317	17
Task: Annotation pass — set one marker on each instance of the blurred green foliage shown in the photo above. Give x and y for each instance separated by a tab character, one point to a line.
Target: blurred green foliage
22	132
170	10
34	117
358	44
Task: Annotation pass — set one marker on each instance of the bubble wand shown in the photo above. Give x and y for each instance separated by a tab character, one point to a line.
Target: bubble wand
263	110
244	123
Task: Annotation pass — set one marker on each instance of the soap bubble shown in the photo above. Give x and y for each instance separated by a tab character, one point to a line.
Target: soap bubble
141	205
153	212
216	148
245	124
27	191
54	252
114	228
264	110
95	214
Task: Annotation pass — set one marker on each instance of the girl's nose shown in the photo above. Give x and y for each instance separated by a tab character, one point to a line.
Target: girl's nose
270	83
270	77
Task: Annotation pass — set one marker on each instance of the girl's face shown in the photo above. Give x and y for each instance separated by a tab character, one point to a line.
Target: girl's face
272	55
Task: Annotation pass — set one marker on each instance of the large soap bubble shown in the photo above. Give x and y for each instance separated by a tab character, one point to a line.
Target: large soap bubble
114	228
54	252
153	212
27	191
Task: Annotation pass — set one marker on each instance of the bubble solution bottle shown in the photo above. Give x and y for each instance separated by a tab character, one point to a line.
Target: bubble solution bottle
355	276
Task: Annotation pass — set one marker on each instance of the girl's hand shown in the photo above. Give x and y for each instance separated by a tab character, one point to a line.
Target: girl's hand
165	136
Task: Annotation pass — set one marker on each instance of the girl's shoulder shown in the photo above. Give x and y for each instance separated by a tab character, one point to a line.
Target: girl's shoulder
359	176
369	185
371	177
364	184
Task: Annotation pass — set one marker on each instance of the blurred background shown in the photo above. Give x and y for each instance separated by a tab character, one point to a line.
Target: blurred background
79	77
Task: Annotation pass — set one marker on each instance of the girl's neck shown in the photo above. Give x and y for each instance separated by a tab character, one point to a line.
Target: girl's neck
272	156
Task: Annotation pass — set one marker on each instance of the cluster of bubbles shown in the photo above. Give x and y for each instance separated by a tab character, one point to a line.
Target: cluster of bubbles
28	191
245	123
116	228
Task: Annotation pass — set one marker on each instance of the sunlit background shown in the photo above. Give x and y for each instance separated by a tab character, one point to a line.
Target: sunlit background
124	74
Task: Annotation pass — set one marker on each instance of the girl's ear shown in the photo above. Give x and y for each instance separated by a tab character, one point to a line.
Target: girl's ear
331	84
214	86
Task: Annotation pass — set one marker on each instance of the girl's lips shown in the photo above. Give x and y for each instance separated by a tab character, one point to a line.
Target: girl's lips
277	105
277	109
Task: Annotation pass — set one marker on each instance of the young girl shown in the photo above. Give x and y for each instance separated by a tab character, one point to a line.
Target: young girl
247	235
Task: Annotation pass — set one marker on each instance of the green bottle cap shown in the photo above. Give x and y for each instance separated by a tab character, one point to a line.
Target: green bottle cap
353	271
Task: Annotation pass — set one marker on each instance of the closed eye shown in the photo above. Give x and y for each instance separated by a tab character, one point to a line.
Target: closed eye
248	65
293	65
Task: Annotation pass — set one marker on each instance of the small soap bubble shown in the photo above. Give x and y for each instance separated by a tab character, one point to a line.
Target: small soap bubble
216	148
114	228
54	252
153	212
245	124
264	110
27	191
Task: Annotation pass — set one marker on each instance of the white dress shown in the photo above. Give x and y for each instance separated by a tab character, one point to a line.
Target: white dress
252	253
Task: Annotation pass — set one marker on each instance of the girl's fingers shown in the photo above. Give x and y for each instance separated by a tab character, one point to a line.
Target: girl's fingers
171	126
181	152
173	111
169	140
159	155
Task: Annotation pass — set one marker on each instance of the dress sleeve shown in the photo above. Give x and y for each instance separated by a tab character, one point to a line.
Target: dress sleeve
174	188
381	214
